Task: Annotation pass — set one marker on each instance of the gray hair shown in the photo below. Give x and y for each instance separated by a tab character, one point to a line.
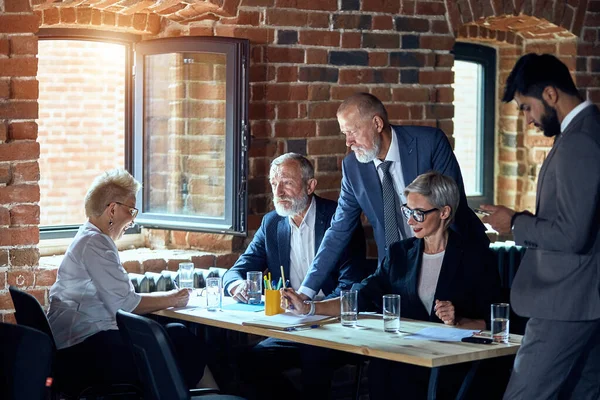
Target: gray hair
308	171
440	190
368	106
111	186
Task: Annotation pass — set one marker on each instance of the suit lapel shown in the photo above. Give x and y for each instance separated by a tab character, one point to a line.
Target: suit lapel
283	242
414	256
320	223
372	184
452	259
407	147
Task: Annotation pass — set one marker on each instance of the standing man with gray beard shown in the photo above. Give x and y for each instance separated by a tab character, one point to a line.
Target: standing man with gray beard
384	159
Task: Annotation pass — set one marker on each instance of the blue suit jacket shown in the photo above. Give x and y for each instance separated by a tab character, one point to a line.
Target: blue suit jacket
422	149
468	279
270	248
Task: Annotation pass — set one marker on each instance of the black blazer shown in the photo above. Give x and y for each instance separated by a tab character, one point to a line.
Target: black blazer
468	279
270	249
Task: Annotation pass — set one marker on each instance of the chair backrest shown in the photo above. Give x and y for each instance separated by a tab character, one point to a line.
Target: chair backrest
154	357
29	312
25	362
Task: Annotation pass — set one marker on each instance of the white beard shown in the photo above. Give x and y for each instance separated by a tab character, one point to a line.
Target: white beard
298	205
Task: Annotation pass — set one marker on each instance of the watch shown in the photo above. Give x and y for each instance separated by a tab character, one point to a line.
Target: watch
312	307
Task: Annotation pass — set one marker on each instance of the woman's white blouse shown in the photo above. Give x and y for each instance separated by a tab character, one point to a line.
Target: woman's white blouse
91	286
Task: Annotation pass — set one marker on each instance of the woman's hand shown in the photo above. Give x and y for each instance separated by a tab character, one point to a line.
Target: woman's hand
444	310
290	300
180	297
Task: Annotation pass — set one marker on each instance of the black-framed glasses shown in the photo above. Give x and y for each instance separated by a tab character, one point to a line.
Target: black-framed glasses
418	215
132	210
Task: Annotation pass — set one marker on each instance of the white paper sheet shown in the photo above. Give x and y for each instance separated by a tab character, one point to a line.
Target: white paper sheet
442	334
293	319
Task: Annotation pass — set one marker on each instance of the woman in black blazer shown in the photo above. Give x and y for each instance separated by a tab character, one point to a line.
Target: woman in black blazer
439	277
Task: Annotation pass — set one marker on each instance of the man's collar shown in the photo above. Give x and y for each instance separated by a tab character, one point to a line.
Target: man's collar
572	114
393	153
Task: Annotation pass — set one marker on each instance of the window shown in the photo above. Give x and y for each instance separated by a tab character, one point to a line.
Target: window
188	109
474	119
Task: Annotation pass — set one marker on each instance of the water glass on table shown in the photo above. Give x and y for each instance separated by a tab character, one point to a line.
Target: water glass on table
500	322
186	275
391	313
254	281
349	307
213	294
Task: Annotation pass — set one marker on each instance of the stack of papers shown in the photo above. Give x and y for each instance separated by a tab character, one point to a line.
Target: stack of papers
442	334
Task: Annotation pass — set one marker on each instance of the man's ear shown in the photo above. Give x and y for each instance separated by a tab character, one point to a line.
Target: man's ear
550	95
379	124
310	186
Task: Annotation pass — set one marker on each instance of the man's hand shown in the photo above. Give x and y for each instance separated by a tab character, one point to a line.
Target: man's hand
239	291
180	297
444	310
290	300
499	217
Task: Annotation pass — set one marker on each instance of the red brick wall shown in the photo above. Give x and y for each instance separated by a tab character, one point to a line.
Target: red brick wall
19	152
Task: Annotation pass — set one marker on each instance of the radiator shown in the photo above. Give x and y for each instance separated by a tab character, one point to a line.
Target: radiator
508	257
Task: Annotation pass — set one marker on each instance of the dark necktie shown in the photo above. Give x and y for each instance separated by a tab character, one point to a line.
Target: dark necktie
389	205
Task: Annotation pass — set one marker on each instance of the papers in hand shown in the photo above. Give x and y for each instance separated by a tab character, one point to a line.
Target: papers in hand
289	320
442	334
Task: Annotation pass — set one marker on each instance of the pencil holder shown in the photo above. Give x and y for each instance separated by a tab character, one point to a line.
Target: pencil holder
272	302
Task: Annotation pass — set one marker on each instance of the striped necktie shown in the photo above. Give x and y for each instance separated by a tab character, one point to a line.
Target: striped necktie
389	205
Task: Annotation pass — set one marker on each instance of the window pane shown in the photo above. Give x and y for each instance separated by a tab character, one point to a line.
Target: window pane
468	132
185	133
81	122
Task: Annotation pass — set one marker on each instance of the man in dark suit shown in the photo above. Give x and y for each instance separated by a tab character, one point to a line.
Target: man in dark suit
289	237
408	151
558	282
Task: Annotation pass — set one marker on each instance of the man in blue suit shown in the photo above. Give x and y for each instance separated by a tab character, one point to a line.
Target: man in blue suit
409	151
290	237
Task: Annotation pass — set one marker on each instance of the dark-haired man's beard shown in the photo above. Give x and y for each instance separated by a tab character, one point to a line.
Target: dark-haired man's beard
549	122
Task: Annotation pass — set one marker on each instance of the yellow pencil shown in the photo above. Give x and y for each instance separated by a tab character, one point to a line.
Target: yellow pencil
282	276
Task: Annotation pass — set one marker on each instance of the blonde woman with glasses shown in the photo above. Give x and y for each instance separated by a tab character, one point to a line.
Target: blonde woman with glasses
92	285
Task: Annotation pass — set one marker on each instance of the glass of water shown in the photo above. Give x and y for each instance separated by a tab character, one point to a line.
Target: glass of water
349	307
500	322
213	294
254	281
391	313
186	275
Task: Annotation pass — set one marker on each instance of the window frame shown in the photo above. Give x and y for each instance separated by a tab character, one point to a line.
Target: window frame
486	57
237	137
237	134
128	40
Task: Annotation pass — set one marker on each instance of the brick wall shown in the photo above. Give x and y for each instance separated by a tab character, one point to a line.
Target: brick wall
306	58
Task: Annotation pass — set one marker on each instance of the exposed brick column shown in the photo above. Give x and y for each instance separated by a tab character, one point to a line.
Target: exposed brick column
19	152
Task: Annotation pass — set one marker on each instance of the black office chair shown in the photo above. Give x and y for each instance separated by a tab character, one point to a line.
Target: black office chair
29	313
25	363
155	359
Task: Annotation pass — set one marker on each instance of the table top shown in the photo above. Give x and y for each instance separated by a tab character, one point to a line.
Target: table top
367	339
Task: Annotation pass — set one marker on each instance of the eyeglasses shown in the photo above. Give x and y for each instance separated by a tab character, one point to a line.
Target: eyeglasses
418	215
132	210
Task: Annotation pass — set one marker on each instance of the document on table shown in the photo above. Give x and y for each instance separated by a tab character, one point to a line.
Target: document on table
244	307
442	334
288	320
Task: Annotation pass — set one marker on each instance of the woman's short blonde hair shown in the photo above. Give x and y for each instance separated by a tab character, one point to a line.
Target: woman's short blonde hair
439	190
111	186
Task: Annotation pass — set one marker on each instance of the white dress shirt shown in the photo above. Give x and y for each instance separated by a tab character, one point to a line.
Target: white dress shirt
90	287
428	278
573	114
393	155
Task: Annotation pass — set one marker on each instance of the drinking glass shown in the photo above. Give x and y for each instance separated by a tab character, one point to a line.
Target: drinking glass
186	275
391	313
213	294
349	307
254	281
500	322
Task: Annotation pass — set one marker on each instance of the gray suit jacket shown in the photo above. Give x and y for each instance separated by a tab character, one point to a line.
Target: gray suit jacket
559	277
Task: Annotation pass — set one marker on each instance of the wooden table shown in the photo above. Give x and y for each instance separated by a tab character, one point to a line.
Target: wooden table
367	339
